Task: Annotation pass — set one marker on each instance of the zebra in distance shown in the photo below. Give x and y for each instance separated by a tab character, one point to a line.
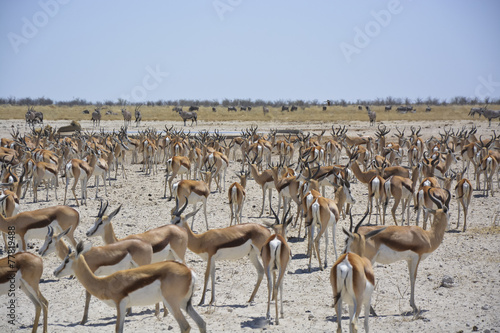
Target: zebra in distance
138	115
96	117
185	115
372	115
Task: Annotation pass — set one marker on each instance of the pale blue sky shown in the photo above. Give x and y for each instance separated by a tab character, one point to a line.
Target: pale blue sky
215	49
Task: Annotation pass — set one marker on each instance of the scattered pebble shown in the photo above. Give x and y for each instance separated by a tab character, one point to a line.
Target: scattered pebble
447	282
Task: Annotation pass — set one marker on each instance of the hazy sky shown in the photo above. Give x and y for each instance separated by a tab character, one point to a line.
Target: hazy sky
215	49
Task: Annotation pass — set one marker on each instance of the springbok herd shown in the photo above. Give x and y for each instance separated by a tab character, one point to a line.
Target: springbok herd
269	195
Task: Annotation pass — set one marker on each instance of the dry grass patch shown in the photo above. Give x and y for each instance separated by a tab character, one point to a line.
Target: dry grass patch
310	114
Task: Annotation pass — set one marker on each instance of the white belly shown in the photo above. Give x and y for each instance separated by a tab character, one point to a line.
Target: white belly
195	198
182	170
386	255
40	233
125	263
164	254
233	253
148	295
286	192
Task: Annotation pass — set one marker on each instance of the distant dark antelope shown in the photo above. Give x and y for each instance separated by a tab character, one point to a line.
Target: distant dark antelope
194	108
473	111
185	115
428	109
127	117
138	115
293	108
388	108
285	108
404	109
231	108
372	115
96	117
214	109
490	114
243	108
29	117
33	117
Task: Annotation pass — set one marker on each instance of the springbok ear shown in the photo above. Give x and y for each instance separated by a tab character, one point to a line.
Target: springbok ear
373	233
62	234
192	214
268	225
429	210
348	234
82	248
113	214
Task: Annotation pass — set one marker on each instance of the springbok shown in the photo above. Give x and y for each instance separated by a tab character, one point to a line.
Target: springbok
352	279
26	269
33	224
169	282
409	243
236	195
102	260
276	254
231	243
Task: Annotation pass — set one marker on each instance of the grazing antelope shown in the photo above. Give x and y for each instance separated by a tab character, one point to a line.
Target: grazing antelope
409	243
26	269
102	260
231	243
177	165
236	195
276	254
169	282
352	279
324	213
33	224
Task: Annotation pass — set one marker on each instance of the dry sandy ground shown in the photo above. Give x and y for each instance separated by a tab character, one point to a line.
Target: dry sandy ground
472	259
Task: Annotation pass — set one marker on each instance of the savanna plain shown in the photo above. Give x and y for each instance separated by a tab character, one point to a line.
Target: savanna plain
471	258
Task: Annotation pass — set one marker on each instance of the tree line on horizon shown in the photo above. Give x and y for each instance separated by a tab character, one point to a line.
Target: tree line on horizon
458	100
